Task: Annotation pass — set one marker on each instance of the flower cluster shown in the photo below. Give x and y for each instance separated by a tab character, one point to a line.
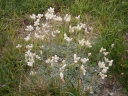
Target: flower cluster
103	64
85	43
104	69
76	58
77	28
18	46
84	60
67	18
53	60
30	57
83	69
68	39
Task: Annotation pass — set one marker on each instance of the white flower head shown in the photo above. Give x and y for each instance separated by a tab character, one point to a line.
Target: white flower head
42	37
51	10
18	46
106	59
37	35
62	68
102	75
104	71
78	27
29	47
67	18
78	17
101	64
36	23
33	16
27	38
110	62
56	58
29	28
42	47
29	58
82	42
112	45
63	61
49	16
84	60
105	53
30	64
82	25
90	89
37	57
32	73
102	50
39	16
41	52
53	35
48	61
89	54
67	38
61	75
57	32
71	29
37	28
57	18
88	44
83	69
76	58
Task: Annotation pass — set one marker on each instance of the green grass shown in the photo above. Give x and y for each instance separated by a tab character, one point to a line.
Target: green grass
110	16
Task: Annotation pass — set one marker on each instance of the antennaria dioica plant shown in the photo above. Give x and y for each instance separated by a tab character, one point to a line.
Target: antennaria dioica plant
59	52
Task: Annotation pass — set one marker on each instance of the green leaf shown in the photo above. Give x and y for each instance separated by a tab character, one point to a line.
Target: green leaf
124	90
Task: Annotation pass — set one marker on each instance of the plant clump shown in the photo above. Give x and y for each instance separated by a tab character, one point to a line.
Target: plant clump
60	48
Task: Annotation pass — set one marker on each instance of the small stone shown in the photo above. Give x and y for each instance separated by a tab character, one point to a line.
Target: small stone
111	94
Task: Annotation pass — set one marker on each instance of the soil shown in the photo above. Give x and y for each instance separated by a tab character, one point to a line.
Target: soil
111	88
